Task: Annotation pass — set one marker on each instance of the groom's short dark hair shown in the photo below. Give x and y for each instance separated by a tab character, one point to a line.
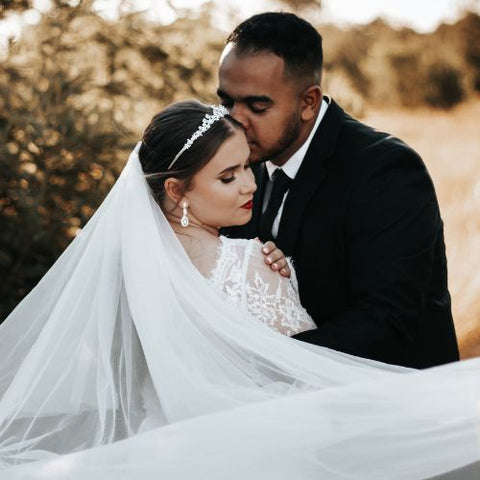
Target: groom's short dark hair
289	37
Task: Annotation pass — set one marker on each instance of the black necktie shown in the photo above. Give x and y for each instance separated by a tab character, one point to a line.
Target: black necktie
281	182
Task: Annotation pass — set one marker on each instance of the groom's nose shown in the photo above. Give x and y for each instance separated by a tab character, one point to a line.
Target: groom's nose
239	113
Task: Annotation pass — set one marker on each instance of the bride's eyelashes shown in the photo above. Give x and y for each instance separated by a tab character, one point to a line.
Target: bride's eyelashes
228	180
233	177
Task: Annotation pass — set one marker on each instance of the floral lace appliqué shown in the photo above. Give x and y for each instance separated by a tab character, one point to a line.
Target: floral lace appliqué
241	274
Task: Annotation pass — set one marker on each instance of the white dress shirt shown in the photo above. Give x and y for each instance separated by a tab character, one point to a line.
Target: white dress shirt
290	168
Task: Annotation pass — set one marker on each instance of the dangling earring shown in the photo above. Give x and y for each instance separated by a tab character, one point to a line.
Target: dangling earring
184	221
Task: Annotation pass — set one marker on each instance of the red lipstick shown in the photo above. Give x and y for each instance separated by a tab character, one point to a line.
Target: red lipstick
248	205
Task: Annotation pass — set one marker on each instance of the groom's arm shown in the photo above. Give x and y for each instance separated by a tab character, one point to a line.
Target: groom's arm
393	230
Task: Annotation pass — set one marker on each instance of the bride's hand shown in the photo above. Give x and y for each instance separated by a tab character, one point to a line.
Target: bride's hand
276	259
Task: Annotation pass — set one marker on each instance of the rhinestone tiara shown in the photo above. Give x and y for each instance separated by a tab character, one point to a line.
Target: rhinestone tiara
219	111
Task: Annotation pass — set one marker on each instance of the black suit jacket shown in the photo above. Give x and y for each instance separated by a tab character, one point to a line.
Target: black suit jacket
362	224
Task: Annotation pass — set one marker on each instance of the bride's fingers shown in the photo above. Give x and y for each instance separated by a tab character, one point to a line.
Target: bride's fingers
272	253
285	272
276	259
280	264
269	247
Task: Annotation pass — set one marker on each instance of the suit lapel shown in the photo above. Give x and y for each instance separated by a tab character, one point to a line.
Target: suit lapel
310	177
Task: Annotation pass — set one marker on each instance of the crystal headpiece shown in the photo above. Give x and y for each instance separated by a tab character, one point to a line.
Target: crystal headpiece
219	111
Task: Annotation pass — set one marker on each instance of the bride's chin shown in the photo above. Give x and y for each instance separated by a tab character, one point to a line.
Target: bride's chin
239	222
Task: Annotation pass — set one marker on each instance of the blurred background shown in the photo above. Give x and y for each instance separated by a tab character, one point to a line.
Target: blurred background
80	80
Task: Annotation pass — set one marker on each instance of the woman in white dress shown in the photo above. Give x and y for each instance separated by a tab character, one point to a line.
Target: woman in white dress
153	329
211	186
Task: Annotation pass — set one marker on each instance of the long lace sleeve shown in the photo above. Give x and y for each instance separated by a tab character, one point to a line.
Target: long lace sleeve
241	273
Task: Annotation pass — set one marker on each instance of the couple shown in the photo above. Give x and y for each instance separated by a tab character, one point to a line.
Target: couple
154	329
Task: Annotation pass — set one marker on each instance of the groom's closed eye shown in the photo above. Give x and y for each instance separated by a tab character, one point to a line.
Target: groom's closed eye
259	107
255	103
258	103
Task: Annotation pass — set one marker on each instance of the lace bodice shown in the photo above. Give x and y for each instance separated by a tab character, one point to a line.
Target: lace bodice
240	272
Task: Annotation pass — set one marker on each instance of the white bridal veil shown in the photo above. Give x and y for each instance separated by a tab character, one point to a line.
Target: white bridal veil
124	363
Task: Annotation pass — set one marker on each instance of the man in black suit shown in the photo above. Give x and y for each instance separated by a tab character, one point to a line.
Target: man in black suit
355	208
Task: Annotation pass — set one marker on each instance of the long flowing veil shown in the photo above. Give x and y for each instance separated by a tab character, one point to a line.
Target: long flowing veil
123	362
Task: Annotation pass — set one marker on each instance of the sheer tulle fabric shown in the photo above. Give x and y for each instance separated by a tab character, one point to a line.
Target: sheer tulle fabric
123	336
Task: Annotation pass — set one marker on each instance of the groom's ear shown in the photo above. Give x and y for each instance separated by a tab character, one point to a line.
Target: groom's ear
174	189
310	102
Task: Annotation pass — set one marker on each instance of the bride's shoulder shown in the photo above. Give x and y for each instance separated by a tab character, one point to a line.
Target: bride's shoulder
239	241
244	245
248	252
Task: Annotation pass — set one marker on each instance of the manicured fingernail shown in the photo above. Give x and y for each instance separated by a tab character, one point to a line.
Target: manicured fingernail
275	266
269	260
265	249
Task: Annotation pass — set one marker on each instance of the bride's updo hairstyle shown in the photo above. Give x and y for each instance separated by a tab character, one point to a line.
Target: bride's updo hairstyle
165	137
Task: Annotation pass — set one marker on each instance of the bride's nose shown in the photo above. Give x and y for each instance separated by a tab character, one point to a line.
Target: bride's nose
249	186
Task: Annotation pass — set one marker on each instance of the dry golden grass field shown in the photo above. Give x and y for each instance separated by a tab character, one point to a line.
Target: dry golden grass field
449	143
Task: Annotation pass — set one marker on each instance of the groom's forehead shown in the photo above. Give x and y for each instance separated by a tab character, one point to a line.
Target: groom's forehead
261	63
252	77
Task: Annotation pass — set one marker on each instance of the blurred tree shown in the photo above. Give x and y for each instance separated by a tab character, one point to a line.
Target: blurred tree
56	155
388	66
444	87
83	90
76	91
9	6
299	5
470	28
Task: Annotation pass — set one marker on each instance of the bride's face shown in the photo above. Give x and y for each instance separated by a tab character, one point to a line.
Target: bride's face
221	193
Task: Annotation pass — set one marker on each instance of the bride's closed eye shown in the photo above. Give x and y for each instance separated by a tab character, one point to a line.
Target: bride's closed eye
233	177
228	180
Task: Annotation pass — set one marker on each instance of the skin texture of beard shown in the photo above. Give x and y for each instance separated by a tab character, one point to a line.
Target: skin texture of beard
289	135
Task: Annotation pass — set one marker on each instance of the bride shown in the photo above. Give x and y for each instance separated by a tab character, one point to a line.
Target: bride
156	348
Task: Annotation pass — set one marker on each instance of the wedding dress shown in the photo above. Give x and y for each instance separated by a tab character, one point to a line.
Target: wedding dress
126	362
240	273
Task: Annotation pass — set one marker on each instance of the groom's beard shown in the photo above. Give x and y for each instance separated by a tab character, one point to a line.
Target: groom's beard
289	135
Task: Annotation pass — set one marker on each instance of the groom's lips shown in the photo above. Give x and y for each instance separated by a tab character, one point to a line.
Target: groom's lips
248	205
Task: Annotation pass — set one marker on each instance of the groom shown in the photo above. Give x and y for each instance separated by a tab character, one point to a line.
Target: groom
355	208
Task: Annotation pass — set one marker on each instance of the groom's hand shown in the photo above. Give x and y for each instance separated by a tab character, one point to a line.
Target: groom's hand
275	258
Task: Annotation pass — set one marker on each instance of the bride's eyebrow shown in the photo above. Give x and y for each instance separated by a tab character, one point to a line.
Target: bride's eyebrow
229	169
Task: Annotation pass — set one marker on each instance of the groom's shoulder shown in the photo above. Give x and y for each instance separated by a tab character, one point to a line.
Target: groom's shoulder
360	142
359	136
